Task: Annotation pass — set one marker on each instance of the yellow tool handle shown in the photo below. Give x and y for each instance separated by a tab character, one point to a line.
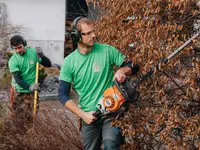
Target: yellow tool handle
36	92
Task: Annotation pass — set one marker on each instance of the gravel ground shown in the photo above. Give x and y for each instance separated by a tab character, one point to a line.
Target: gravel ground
50	85
4	95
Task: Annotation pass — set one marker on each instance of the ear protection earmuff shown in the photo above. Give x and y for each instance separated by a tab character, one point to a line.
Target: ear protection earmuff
75	34
24	42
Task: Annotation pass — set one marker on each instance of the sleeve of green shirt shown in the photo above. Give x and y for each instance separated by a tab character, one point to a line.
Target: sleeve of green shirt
13	65
116	56
66	71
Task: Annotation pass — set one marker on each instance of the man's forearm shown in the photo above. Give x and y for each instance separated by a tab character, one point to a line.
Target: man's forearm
19	81
127	70
74	108
45	61
134	68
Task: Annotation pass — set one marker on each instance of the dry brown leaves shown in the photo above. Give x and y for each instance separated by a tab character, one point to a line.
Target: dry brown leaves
52	130
168	109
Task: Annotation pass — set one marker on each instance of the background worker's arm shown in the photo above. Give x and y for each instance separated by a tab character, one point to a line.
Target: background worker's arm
22	83
45	61
64	90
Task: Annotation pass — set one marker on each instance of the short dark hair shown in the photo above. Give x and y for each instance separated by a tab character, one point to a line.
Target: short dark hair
16	40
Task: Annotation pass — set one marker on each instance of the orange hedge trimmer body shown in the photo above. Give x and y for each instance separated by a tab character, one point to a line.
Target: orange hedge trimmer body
116	96
112	99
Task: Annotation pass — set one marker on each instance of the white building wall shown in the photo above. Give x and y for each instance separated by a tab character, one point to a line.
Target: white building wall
44	23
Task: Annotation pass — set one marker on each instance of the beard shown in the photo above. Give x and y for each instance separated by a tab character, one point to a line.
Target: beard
22	52
88	45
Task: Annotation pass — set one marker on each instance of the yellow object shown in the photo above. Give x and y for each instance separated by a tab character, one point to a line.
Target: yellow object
36	92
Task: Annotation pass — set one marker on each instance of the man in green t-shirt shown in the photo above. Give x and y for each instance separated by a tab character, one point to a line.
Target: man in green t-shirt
90	70
22	65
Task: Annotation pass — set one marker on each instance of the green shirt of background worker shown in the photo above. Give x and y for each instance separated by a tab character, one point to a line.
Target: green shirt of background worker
90	70
22	65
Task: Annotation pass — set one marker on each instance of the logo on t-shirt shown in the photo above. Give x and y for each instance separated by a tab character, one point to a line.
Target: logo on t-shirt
96	67
31	62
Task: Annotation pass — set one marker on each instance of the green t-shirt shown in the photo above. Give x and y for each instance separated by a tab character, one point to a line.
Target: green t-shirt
26	64
92	73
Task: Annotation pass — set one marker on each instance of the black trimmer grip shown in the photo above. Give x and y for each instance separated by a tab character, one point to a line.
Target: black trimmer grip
97	114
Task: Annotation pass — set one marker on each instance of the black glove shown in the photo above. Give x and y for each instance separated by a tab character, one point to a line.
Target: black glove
39	51
34	87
